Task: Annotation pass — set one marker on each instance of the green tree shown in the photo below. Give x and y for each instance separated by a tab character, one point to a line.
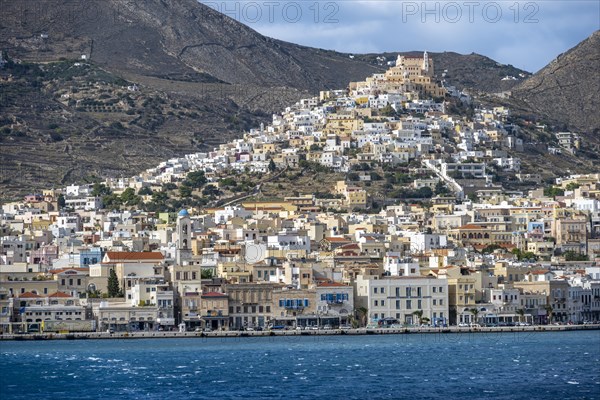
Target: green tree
144	191
206	274
185	191
419	315
521	313
574	256
362	313
552	191
100	189
272	166
549	312
195	179
94	294
112	201
113	284
129	197
475	313
61	201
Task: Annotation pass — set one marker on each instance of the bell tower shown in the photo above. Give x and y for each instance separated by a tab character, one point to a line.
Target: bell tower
425	62
184	236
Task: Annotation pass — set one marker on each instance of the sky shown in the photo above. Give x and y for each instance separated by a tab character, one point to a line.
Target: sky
526	34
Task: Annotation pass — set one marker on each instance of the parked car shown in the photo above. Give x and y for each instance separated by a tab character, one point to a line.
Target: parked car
345	326
327	327
463	325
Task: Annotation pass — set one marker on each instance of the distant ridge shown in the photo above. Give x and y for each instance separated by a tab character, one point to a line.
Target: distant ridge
567	91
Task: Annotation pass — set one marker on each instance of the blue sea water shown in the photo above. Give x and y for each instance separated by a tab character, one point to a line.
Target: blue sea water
557	365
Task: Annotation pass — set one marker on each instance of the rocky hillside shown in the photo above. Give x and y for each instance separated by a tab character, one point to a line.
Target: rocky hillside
169	38
567	91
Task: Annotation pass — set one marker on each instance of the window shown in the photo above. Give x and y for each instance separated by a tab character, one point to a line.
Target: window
434	302
419	305
397	304
376	316
419	292
441	289
434	289
382	290
382	303
441	302
408	304
375	290
407	292
376	303
397	292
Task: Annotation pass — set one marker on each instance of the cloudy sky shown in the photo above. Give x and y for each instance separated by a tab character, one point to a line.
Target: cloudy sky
526	34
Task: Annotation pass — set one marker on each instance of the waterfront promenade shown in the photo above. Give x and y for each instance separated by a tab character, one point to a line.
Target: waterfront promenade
291	333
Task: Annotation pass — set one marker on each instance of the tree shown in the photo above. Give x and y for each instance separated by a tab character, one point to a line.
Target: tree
94	294
100	189
272	166
113	284
571	255
206	274
362	313
549	311
129	197
521	313
195	179
61	201
419	315
145	191
475	313
185	191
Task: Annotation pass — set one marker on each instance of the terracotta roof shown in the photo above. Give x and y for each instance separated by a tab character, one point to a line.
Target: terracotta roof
471	226
539	272
332	284
350	246
134	255
336	239
60	294
29	295
214	294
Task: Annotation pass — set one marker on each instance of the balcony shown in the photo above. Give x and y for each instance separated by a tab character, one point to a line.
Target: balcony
294	307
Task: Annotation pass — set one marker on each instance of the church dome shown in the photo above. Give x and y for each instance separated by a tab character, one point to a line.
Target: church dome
183	213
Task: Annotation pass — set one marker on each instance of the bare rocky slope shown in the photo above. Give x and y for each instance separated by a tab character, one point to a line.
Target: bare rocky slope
567	91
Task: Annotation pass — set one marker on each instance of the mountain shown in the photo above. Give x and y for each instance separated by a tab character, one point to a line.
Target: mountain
169	38
567	91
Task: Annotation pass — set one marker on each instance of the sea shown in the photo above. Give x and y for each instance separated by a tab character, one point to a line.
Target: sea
518	365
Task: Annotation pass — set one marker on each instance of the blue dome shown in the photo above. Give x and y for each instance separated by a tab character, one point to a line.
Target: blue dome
183	213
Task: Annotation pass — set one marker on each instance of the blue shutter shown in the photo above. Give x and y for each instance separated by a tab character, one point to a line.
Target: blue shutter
305	302
281	302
